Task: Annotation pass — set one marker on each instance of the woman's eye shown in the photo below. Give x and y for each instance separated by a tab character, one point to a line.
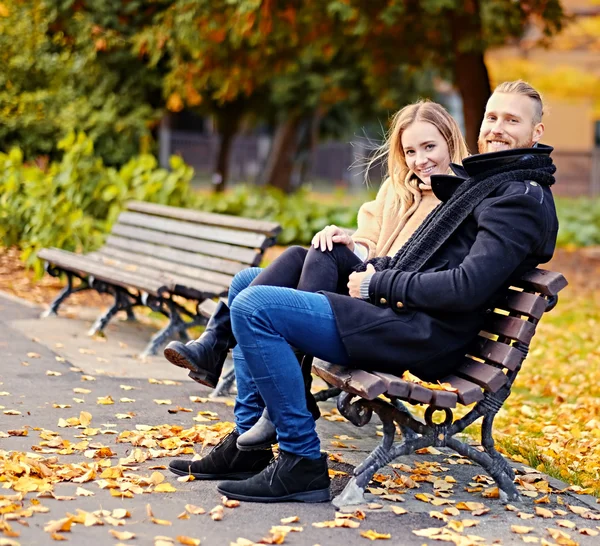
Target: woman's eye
409	152
430	146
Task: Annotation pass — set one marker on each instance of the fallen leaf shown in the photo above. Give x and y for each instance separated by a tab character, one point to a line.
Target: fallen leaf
195	510
521	529
543	512
121	535
164	488
162	402
374	535
216	514
398	510
188	541
81	492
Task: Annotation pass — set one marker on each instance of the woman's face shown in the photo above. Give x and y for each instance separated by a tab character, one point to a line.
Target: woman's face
425	150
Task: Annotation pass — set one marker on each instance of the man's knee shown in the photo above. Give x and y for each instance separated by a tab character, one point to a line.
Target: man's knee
243	279
249	301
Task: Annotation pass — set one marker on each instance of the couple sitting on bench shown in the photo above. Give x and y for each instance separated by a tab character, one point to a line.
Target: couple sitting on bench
408	291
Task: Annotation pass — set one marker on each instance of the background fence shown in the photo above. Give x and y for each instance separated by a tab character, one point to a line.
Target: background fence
342	163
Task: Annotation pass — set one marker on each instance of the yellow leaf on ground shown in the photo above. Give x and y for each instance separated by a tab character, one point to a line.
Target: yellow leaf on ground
122	535
291	519
398	510
521	529
81	492
374	535
164	488
188	541
543	512
192	509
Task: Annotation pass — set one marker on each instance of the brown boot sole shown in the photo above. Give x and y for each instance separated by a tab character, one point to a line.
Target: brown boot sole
177	358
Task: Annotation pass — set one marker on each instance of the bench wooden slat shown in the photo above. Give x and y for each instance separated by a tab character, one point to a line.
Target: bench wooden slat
111	275
444	399
244	255
395	386
548	283
484	375
511	327
178	256
498	353
270	229
358	382
178	280
420	394
165	265
197	231
523	303
468	392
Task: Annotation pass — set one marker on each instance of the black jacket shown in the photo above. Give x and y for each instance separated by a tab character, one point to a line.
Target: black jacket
423	321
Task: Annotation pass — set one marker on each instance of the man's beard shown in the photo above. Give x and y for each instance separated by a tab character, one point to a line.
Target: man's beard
482	144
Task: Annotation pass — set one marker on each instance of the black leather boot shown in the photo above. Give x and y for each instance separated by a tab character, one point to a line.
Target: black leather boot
263	434
288	478
224	462
204	357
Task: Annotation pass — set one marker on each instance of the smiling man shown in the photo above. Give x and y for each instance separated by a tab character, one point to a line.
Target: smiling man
513	118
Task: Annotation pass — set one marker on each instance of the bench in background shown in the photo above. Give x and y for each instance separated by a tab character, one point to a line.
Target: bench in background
156	253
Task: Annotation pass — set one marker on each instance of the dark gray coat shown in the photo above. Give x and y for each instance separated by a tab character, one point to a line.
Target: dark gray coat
423	321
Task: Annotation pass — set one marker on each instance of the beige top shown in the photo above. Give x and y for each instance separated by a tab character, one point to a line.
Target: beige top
383	224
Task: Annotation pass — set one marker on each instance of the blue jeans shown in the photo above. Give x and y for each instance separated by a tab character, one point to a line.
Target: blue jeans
266	320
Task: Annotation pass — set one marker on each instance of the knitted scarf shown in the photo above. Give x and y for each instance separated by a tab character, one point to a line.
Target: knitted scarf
444	220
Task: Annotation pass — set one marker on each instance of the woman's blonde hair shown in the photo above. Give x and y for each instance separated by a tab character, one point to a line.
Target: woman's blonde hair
424	110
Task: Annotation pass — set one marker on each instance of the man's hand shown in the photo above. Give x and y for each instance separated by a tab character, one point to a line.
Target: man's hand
355	280
330	235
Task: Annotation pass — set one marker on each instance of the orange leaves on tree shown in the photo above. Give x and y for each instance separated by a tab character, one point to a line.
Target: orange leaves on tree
175	102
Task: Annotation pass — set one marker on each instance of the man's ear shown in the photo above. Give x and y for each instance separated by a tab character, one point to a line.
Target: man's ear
538	132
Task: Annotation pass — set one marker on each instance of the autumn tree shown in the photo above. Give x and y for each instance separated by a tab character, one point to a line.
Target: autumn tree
69	66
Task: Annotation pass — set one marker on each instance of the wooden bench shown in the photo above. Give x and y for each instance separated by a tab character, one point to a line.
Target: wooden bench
484	378
155	252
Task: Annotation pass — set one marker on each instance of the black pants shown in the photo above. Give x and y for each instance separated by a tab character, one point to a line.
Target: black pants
311	270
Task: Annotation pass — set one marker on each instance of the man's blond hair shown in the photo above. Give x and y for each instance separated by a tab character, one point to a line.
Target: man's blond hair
521	87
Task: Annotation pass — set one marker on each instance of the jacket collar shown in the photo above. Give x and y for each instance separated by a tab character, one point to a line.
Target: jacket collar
444	185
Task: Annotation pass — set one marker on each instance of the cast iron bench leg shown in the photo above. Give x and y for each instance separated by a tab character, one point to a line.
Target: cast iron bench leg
122	302
65	292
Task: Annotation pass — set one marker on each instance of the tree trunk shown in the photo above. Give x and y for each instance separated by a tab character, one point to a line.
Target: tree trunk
228	120
280	163
221	174
470	72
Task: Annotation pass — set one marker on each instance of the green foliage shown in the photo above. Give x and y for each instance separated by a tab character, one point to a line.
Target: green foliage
72	203
579	222
68	66
301	214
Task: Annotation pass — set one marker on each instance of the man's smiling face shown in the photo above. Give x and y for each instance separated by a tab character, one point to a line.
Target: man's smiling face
509	122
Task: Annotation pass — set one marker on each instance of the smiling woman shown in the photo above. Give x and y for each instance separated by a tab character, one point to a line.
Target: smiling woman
425	150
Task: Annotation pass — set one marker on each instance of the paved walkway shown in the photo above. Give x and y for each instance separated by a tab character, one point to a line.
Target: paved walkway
114	456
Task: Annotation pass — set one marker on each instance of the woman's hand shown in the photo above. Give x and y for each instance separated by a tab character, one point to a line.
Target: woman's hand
330	235
355	280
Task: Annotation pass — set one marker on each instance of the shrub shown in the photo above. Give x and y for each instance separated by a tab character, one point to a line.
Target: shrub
72	203
579	221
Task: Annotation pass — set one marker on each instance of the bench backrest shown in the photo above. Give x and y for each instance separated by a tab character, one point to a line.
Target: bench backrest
504	340
202	245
